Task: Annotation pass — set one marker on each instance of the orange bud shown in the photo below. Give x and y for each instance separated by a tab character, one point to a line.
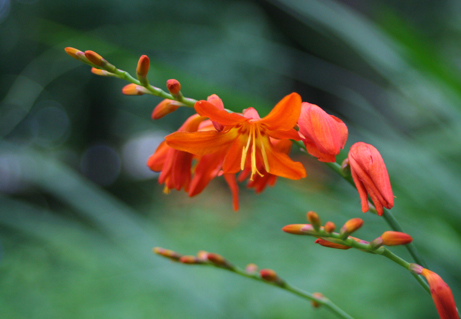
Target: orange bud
393	238
143	66
73	52
164	108
94	58
314	219
329	244
370	177
271	276
251	268
219	260
133	89
202	255
167	253
101	72
323	135
190	260
317	295
441	294
173	86
351	226
329	227
300	229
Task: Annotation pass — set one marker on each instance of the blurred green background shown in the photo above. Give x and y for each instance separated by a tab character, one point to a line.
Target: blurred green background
80	211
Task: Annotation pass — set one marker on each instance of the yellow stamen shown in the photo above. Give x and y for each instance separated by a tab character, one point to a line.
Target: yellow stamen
245	150
263	152
166	190
254	169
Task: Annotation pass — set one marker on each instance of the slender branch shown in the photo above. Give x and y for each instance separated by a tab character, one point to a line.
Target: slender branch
388	216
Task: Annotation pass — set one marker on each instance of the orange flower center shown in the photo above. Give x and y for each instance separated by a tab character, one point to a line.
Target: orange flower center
255	140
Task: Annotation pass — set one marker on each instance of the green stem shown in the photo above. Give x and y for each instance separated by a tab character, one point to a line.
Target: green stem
387	253
388	216
303	294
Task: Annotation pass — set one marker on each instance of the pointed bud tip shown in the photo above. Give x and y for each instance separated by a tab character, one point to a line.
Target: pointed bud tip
299	229
329	227
143	66
73	52
268	275
173	86
164	108
393	238
94	58
329	244
132	89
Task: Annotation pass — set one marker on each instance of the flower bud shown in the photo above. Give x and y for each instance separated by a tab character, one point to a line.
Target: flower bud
300	229
98	60
317	295
394	238
326	243
190	260
173	86
251	268
167	253
73	52
314	219
219	260
202	255
271	276
350	226
133	89
441	294
164	108
101	72
370	177
143	66
329	227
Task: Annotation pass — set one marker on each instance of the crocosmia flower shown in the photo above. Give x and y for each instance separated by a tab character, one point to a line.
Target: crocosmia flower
245	139
323	135
441	294
174	165
370	177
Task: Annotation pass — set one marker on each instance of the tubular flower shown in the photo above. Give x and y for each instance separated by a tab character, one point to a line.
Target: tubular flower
441	294
323	135
174	165
370	177
246	136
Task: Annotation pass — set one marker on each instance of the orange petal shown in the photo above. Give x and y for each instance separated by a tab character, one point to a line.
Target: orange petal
233	158
285	114
442	295
291	134
207	168
282	165
156	160
207	109
199	143
230	179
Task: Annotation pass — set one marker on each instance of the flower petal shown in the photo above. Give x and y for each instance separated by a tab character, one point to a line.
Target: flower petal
282	165
200	143
285	114
156	160
230	179
207	109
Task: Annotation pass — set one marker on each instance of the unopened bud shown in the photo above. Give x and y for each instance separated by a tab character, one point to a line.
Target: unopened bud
319	296
101	72
394	238
202	255
271	276
217	102
98	60
190	260
142	69
219	260
350	226
329	244
251	268
133	89
173	86
164	108
77	54
314	219
300	229
329	227
167	253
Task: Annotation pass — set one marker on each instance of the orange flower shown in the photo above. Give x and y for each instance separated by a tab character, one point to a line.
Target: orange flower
174	165
370	176
323	135
441	294
246	135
